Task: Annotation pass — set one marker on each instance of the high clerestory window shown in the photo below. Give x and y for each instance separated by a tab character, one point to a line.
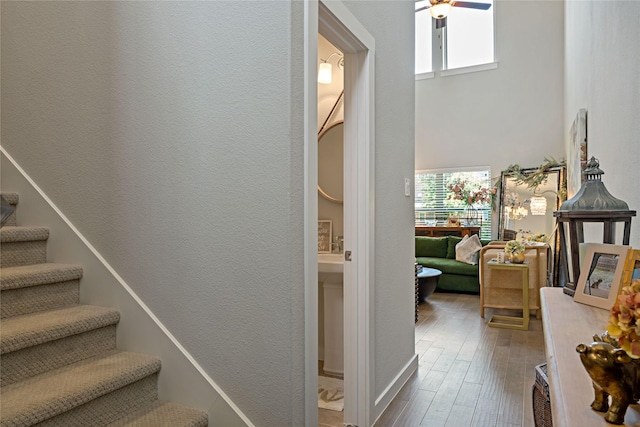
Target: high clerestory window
433	203
466	40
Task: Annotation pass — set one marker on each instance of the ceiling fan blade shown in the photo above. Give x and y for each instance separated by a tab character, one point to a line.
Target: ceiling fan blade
441	22
472	5
420	9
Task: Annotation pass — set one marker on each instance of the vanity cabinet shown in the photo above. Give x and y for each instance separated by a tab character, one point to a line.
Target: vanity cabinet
436	231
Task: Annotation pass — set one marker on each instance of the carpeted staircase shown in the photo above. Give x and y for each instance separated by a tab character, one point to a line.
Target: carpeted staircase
59	362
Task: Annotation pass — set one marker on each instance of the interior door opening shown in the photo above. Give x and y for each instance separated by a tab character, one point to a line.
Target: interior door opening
331	203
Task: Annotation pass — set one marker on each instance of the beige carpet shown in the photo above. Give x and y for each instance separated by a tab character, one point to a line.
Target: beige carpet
60	363
330	393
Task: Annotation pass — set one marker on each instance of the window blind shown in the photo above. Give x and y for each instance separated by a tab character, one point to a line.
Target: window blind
433	203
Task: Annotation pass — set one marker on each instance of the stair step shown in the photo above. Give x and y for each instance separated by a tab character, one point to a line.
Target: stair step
32	288
23	245
38	274
12	199
37	328
159	414
91	392
23	234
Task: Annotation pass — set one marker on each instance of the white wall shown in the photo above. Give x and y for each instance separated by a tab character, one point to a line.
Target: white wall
392	25
602	74
509	115
160	131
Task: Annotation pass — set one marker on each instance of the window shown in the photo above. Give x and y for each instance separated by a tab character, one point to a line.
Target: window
433	205
466	40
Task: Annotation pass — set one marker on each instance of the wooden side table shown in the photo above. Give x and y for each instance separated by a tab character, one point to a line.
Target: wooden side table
512	322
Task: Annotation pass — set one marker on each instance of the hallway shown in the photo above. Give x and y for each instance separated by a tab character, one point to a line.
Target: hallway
469	374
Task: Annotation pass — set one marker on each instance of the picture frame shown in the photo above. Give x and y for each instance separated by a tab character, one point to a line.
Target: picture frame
324	236
631	270
601	274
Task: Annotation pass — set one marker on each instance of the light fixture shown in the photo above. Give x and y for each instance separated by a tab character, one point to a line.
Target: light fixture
440	10
325	70
538	205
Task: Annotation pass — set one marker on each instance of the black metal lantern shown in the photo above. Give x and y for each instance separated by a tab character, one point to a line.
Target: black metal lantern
593	203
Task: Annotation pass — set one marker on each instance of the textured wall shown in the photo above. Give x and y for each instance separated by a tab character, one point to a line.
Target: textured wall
157	131
160	131
602	74
512	114
392	24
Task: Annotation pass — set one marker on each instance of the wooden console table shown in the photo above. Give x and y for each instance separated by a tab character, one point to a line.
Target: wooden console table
565	325
441	231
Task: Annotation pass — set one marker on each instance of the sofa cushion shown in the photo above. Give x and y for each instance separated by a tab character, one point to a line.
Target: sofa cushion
452	241
431	246
449	266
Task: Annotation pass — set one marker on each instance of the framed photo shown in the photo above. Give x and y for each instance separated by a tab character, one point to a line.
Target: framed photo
601	274
631	268
324	236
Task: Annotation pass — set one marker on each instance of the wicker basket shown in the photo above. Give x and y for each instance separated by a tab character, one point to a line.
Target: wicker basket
541	399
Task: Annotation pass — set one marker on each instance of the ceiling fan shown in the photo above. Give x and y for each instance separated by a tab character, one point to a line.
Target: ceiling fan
439	9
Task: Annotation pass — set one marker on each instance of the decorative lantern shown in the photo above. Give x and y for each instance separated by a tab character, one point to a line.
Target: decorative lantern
593	203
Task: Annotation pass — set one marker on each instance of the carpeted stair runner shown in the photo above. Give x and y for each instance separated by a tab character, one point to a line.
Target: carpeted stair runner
59	361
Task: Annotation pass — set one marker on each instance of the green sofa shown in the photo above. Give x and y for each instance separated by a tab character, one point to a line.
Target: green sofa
440	253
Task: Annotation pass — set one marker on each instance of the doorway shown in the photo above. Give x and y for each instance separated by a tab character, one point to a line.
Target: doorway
336	24
331	397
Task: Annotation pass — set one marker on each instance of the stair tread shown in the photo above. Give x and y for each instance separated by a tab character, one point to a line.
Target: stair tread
38	274
10	233
52	393
36	328
159	414
10	197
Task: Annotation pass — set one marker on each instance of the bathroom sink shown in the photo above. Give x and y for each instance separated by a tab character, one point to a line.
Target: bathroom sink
330	263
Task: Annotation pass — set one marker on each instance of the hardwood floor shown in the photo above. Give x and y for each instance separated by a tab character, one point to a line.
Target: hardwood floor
469	374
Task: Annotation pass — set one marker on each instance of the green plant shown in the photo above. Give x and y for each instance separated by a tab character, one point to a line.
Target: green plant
514	247
531	178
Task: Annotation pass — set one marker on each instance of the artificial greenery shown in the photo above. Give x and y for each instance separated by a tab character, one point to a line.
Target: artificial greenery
530	177
514	247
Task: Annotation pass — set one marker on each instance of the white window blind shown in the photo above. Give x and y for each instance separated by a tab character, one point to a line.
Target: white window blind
433	204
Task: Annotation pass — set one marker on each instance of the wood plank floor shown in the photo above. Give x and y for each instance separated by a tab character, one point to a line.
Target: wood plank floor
469	374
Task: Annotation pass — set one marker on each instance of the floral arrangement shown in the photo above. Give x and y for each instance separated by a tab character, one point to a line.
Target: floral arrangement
623	322
462	191
514	247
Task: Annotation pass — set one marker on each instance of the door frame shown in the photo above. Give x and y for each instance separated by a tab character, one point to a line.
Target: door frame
338	25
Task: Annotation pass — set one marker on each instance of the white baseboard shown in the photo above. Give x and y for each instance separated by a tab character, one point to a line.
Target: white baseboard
385	398
181	379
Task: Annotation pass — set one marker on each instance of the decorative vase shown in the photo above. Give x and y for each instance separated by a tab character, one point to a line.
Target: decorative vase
517	258
470	215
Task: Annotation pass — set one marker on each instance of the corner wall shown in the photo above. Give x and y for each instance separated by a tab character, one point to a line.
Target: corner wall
602	74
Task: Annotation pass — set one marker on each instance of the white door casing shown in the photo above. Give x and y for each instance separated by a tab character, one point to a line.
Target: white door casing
336	23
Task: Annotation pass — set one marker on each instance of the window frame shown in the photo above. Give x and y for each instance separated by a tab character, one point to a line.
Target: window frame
439	52
486	229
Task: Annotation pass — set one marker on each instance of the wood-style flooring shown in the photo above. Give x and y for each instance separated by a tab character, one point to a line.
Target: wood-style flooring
469	374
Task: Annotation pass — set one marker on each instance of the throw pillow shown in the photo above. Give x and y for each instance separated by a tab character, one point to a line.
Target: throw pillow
467	250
